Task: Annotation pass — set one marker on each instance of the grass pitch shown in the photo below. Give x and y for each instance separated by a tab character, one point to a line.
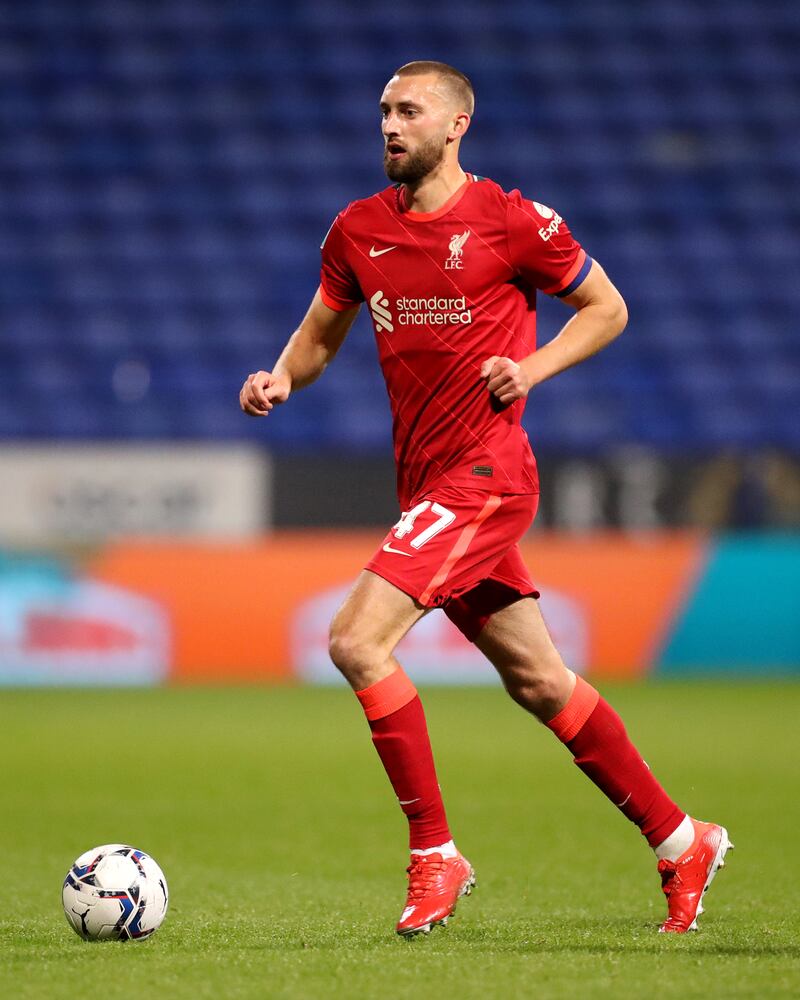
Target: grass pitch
284	849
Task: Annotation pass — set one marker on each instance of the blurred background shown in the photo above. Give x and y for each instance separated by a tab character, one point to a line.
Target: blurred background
167	172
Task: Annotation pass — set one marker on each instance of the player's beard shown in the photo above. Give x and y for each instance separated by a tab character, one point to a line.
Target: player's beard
414	166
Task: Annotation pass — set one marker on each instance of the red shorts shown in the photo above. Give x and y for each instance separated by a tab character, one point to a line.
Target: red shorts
457	550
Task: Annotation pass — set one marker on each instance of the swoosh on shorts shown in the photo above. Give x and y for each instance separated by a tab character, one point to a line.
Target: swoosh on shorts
399	552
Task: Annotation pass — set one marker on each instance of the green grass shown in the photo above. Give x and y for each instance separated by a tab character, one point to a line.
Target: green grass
284	849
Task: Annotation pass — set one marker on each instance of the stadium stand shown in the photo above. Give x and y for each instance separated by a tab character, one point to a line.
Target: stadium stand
168	170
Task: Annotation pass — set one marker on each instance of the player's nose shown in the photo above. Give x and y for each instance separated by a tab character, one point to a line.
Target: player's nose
389	125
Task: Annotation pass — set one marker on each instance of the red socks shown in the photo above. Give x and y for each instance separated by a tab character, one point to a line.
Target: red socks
400	735
587	725
595	735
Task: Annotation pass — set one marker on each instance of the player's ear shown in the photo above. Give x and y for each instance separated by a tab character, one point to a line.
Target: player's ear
458	126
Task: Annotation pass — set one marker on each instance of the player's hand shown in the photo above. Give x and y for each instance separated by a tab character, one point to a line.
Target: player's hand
505	379
263	390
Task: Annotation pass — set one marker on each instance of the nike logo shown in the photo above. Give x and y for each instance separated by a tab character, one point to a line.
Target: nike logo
379	253
407	802
621	804
399	552
406	912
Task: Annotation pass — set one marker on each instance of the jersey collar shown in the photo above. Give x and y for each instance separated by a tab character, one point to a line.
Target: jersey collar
450	204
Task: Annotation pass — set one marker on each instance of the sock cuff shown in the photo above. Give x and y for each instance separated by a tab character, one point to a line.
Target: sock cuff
387	695
572	717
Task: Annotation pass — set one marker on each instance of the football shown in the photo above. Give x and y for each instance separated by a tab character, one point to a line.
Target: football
115	893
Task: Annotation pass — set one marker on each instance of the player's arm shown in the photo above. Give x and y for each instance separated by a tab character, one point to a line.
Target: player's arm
600	317
309	350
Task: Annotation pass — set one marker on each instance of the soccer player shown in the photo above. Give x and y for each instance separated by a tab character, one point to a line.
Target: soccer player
449	265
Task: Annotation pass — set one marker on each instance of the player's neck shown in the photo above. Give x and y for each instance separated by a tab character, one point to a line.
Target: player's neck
434	190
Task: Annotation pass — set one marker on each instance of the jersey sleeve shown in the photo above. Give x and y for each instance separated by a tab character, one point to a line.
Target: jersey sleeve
338	286
543	249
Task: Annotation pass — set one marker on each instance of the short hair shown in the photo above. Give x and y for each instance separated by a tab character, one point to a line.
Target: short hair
456	82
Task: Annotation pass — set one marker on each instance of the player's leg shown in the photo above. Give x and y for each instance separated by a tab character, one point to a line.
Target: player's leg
515	639
372	620
444	541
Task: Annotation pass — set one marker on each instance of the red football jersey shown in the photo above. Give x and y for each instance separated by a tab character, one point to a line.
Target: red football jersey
447	290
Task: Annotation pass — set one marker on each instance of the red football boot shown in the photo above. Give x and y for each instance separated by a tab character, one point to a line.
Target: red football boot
435	885
684	881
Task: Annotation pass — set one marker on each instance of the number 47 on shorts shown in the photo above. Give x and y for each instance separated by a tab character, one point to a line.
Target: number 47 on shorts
406	523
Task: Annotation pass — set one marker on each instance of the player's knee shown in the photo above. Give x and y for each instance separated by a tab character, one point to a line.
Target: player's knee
543	694
350	652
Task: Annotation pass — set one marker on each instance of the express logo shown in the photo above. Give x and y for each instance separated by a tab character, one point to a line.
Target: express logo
379	307
545	232
454	262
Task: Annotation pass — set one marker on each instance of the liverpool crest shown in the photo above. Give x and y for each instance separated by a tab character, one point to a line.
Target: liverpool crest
454	262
